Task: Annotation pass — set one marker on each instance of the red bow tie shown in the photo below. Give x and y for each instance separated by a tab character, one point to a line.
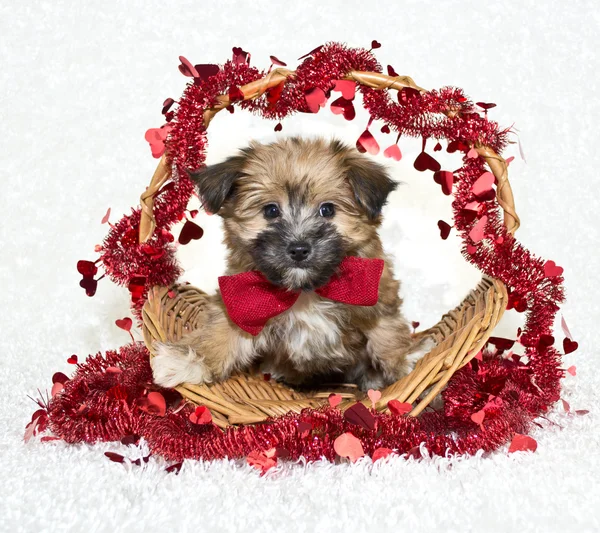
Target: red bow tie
251	300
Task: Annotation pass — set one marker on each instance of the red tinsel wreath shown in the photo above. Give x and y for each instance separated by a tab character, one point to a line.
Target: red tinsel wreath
486	403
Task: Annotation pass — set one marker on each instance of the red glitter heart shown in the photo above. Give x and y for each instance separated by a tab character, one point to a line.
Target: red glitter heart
522	443
385	129
425	162
444	229
201	415
397	408
572	370
277	62
87	268
358	414
569	346
347	445
335	399
72	360
375	44
90	285
153	404
477	232
315	99
346	87
206	71
367	143
278	127
445	178
381	453
187	69
551	269
190	231
343	106
374	396
393	152
124	323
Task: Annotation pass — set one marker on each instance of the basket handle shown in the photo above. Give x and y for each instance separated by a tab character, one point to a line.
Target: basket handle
375	80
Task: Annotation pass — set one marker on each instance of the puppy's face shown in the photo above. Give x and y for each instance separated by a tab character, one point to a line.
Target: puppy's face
295	208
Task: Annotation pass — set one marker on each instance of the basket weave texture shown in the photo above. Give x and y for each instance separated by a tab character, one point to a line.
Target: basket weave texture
247	398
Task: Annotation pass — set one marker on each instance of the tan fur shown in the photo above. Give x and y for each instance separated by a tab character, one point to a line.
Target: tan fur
316	337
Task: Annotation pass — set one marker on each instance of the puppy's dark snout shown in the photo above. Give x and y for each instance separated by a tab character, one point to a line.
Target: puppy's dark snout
299	251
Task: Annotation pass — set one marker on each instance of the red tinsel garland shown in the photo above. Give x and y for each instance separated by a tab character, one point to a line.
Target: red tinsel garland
107	397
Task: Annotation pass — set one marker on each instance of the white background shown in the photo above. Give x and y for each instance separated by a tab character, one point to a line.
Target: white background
81	83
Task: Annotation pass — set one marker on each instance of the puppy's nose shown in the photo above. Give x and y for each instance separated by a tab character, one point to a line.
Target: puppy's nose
299	251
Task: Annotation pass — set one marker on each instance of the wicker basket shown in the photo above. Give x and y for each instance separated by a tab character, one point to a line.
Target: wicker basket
248	398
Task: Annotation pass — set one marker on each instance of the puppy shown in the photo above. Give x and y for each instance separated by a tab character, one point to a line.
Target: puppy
293	210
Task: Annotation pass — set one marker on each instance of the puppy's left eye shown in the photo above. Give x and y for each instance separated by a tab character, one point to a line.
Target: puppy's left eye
327	210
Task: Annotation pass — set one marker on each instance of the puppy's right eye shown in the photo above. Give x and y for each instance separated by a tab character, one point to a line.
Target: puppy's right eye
271	211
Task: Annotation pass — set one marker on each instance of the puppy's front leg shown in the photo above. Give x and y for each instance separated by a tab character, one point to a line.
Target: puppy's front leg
392	350
210	353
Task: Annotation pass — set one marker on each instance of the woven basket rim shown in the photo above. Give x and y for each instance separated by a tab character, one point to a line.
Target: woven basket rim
459	335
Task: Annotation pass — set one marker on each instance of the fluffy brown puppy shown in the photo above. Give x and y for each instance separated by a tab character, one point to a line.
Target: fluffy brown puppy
293	210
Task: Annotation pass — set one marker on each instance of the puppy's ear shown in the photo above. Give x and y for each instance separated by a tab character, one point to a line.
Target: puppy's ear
370	183
215	183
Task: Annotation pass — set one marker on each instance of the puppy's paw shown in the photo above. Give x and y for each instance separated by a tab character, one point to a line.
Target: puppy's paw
419	351
174	364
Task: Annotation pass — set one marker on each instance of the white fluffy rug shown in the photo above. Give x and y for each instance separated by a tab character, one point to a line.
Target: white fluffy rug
81	82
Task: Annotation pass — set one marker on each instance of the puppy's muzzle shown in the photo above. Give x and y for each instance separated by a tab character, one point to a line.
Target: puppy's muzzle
299	251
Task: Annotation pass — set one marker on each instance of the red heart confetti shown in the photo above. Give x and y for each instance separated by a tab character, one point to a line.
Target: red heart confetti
367	143
335	399
167	105
522	443
572	370
190	231
278	127
478	417
124	323
472	153
569	346
106	217
415	325
346	87
87	269
312	52
201	415
187	69
565	328
444	229
483	187
156	138
115	457
153	404
425	162
391	71
374	396
445	178
551	269
381	453
477	232
240	57
205	71
581	412
375	44
397	408
566	406
315	99
273	95
358	414
343	106
260	461
485	106
393	152
59	377
437	147
174	468
277	62
347	445
72	360
56	388
385	129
